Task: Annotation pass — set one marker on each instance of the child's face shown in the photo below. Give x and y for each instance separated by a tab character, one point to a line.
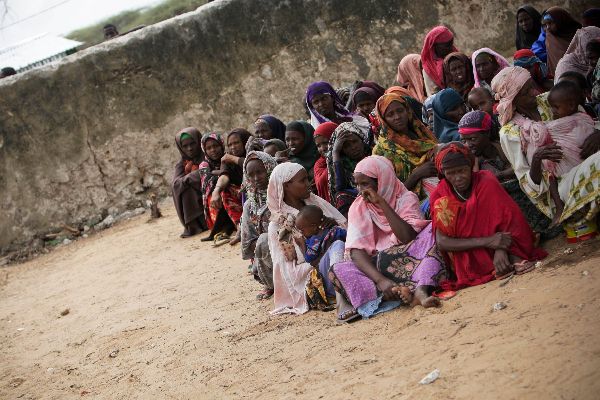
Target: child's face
271	150
307	227
480	102
322	145
562	107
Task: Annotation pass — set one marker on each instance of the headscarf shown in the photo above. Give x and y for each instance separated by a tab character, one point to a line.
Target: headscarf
194	134
214	164
326	129
404	152
453	155
591	17
575	58
347	164
323	87
557	43
415	105
507	85
432	65
257	198
465	87
527	59
309	153
280	144
242	133
501	61
410	73
524	40
208	181
444	101
475	122
277	127
368	227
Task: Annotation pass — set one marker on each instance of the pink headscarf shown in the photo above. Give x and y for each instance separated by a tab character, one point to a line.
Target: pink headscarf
502	62
432	64
507	85
575	58
368	228
409	72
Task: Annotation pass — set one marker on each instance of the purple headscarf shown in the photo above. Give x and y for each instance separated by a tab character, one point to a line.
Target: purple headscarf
323	87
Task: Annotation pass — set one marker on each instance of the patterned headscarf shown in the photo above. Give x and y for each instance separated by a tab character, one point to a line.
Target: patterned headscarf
474	122
257	197
527	59
507	85
323	87
214	164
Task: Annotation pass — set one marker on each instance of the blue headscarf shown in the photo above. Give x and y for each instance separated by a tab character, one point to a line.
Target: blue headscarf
444	101
277	127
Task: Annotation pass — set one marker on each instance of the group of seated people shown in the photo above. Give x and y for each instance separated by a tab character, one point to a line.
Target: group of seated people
401	196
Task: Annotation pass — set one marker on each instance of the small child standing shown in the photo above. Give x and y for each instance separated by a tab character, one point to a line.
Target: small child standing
318	238
567	131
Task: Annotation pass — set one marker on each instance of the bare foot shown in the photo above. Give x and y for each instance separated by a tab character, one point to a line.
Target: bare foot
403	293
236	239
423	298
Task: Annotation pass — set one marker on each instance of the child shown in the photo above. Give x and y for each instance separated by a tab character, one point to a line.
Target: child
481	99
568	131
318	238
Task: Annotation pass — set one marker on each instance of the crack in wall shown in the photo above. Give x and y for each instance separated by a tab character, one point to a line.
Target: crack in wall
95	159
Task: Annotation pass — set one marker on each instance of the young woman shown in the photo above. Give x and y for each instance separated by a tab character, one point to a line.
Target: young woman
439	42
302	149
486	65
458	73
448	109
560	27
410	76
529	27
186	182
269	127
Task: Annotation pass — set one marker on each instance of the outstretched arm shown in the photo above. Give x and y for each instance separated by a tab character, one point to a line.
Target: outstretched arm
499	240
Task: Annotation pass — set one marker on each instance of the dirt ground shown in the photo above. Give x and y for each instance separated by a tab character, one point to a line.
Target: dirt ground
153	316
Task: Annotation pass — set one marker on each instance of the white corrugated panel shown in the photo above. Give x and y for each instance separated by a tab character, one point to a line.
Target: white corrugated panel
36	51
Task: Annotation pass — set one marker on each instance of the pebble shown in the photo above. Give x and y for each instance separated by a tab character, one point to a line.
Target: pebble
430	377
568	251
113	353
499	306
585	273
66	241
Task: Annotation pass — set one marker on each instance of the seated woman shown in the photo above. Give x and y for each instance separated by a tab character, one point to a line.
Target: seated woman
560	27
529	27
302	149
221	198
324	104
410	76
448	109
269	127
392	247
539	71
298	286
486	65
186	182
438	43
475	130
478	227
415	105
348	145
579	187
322	136
254	225
406	142
458	73
577	57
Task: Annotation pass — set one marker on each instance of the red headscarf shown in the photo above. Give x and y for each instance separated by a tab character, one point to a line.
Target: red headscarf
325	129
432	64
320	169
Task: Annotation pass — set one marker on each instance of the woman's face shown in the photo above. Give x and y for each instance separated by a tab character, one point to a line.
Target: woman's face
486	67
550	26
592	57
353	148
365	107
294	141
396	116
456	113
525	99
257	174
525	21
459	177
189	147
476	142
458	71
363	182
298	186
213	149
263	130
235	145
323	104
443	49
322	145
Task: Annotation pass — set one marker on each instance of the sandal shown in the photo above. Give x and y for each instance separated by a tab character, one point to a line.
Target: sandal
523	267
444	294
220	239
265	294
345	312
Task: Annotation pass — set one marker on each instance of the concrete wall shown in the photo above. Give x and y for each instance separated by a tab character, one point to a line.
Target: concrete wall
95	131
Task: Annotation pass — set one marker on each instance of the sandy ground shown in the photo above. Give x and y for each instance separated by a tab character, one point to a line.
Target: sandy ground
154	316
